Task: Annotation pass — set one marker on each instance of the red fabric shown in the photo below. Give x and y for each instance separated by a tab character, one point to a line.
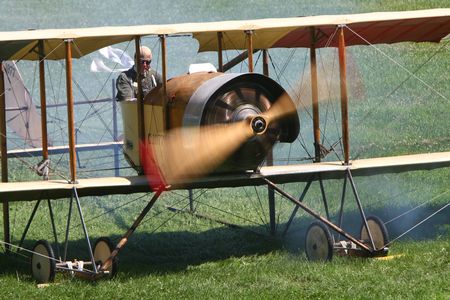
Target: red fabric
382	32
151	169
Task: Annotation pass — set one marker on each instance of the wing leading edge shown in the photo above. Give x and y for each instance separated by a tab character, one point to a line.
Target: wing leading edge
56	189
381	27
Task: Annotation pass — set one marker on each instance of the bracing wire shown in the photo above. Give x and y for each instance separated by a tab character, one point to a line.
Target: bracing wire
416	207
411	74
418	224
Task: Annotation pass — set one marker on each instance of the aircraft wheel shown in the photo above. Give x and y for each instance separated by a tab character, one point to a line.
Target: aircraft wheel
318	242
378	230
43	264
102	251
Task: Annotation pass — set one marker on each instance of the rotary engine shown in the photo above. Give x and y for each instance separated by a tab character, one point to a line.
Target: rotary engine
203	99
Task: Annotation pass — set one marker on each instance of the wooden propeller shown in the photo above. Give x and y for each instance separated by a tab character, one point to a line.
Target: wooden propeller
189	153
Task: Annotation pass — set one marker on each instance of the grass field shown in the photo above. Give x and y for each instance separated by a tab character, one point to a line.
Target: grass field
197	259
175	255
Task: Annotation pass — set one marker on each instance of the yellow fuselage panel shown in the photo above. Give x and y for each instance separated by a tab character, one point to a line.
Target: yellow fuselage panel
154	125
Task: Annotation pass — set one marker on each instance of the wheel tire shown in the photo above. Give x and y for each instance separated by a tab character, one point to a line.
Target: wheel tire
102	251
43	264
318	242
378	230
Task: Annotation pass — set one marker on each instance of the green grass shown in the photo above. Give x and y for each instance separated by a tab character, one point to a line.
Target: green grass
256	268
189	257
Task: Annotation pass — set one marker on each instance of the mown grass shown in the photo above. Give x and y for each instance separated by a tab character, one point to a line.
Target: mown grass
189	257
254	268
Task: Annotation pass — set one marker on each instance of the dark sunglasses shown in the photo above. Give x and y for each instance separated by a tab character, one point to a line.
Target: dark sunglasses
148	62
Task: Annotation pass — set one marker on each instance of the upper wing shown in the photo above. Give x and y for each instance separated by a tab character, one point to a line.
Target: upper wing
385	27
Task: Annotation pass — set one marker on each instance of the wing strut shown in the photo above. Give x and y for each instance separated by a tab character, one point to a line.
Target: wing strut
269	159
140	95
324	220
107	264
4	159
70	112
43	101
166	114
344	97
315	94
220	51
249	34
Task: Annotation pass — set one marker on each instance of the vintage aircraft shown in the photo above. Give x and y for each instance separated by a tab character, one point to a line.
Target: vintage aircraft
214	129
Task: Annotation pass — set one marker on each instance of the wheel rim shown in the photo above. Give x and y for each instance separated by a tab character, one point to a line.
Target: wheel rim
318	244
378	231
102	251
42	263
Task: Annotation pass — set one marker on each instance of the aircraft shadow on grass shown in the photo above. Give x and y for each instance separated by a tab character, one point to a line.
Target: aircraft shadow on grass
171	252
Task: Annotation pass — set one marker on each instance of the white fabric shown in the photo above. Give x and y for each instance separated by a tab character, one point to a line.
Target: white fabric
205	67
22	116
118	56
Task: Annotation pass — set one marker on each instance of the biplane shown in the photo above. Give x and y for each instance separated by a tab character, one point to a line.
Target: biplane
213	129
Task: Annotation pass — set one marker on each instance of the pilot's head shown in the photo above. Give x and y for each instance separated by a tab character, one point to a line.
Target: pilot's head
145	59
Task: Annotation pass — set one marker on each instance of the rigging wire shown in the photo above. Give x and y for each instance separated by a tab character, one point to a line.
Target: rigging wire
414	208
31	166
172	216
96	112
31	95
29	251
259	212
411	74
418	224
281	76
31	50
20	147
229	213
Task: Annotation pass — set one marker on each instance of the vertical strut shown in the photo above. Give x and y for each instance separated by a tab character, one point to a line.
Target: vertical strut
363	215
70	112
55	235
249	34
4	158
115	131
164	62
84	229
66	242
27	227
324	198
315	95
220	50
166	112
341	210
272	220
269	160
316	215
43	100
140	96
294	212
266	62
344	97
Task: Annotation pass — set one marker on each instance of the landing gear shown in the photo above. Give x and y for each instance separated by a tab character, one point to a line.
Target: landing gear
43	265
318	242
102	251
377	230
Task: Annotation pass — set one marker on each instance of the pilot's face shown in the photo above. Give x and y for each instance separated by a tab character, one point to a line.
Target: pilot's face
144	63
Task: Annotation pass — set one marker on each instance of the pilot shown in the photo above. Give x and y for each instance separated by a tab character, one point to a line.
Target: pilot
126	83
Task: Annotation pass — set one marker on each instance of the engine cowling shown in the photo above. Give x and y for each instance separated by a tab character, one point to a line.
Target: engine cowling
203	99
